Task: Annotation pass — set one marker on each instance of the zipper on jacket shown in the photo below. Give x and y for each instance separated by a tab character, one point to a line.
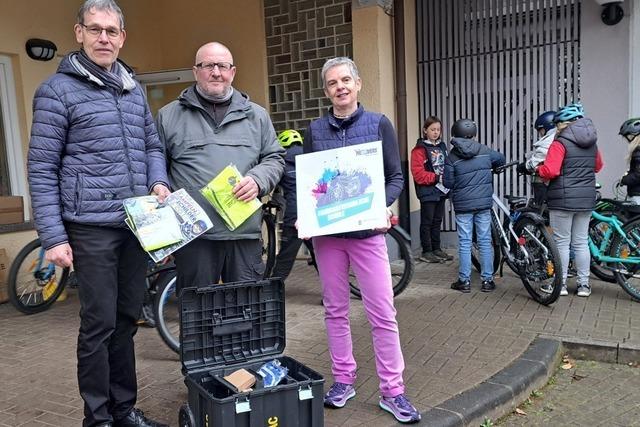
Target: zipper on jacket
125	143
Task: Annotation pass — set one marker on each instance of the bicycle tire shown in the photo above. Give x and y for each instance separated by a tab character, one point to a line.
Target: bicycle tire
625	273
497	254
402	269
27	291
541	268
268	244
597	233
166	310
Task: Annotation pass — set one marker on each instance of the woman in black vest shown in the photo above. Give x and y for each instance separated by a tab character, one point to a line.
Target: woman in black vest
631	131
571	165
427	167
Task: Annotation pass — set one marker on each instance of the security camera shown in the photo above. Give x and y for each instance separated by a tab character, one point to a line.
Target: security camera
612	12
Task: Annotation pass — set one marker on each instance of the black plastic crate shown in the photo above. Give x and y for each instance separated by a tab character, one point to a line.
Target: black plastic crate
242	325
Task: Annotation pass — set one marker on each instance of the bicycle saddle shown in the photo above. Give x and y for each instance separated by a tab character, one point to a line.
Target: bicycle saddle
624	206
516	200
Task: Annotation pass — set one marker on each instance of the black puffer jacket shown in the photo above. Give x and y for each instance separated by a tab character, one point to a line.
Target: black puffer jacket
632	177
467	172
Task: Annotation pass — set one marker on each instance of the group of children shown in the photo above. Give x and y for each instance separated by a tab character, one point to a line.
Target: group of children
563	165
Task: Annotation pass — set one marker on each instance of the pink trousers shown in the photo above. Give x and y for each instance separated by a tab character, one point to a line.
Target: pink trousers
369	261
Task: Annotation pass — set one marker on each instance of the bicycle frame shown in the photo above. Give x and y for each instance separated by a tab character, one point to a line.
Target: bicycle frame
506	245
615	226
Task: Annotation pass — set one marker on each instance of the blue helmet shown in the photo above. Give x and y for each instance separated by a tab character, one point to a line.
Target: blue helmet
545	121
569	113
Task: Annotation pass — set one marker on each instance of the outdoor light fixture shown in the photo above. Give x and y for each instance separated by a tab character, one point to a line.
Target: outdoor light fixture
41	50
612	11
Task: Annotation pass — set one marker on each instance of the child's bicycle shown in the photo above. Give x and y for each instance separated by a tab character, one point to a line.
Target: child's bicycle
617	248
522	241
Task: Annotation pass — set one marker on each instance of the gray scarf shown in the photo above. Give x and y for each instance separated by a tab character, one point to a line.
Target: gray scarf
215	99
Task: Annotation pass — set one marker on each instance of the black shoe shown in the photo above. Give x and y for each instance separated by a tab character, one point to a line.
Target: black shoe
136	418
488	286
430	257
442	255
462	286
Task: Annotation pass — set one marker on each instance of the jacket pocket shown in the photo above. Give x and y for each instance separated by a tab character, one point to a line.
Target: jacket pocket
79	191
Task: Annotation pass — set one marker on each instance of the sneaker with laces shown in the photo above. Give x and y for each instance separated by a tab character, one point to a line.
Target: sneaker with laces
338	395
461	285
400	408
584	290
488	286
442	255
429	257
564	292
547	289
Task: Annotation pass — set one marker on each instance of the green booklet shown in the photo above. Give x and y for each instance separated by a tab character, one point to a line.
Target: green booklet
219	192
162	228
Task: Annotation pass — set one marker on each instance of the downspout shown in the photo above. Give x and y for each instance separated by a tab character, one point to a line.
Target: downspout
401	112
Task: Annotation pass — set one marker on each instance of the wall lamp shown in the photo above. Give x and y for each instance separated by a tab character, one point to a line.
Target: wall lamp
41	50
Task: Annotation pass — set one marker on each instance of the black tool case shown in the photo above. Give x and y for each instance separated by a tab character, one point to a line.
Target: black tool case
242	325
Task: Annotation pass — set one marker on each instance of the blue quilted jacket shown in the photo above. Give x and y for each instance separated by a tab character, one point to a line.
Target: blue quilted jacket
90	148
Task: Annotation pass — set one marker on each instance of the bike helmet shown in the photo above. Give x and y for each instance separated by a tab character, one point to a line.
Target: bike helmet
464	128
289	137
545	121
631	128
569	113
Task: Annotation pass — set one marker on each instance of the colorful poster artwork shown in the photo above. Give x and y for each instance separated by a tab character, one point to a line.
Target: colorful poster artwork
340	190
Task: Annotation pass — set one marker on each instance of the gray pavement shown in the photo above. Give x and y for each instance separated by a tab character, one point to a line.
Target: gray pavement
590	393
451	342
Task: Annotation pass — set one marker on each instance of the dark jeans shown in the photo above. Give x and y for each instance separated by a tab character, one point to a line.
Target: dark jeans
289	246
430	221
206	262
110	267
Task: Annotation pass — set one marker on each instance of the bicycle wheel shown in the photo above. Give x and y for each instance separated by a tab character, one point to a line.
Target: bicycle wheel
475	251
627	274
167	310
268	243
597	230
400	260
540	271
34	284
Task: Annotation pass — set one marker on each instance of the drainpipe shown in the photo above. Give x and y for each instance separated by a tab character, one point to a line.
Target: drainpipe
401	112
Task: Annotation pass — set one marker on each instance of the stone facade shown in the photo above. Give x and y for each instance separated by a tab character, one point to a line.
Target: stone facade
301	36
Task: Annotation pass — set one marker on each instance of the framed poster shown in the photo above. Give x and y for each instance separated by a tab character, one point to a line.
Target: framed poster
341	190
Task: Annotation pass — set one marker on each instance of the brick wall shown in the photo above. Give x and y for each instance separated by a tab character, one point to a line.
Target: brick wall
301	36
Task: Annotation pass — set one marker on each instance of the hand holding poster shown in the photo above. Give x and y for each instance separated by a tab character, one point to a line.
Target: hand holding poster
341	190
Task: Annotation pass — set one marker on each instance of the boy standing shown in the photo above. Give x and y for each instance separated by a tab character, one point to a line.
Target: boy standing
468	173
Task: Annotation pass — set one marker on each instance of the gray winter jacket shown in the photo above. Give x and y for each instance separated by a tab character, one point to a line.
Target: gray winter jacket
197	150
90	148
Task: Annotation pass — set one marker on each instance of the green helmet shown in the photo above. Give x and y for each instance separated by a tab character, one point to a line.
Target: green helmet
289	137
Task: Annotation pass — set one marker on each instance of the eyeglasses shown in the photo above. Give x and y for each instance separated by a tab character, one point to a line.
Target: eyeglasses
209	66
112	32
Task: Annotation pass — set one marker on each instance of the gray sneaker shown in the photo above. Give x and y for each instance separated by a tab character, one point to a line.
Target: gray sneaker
338	395
564	292
442	255
429	257
584	290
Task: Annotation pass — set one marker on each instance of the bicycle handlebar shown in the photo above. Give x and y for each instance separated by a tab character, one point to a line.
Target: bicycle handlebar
504	167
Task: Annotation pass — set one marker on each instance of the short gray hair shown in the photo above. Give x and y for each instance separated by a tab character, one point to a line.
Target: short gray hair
109	5
334	62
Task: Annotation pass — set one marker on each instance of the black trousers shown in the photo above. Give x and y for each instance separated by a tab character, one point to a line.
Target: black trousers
110	266
431	214
206	262
289	247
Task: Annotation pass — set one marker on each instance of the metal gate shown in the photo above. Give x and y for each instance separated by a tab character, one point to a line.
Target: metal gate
500	63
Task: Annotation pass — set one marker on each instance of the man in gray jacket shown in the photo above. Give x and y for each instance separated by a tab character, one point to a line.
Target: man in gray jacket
210	126
93	144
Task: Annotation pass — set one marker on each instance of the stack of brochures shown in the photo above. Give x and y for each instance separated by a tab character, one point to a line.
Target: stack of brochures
162	228
219	192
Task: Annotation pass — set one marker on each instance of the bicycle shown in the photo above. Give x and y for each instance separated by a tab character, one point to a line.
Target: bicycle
522	240
619	248
398	247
